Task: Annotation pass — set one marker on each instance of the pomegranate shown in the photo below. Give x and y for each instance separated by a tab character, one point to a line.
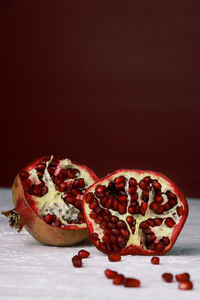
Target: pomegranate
48	195
134	212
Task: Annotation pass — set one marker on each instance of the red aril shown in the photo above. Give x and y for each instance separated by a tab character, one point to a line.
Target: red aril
185	285
83	254
48	195
183	277
134	212
131	282
168	277
155	260
118	279
110	274
77	261
114	257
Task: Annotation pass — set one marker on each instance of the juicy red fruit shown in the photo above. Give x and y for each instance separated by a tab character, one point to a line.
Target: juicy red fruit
134	212
110	274
131	282
48	195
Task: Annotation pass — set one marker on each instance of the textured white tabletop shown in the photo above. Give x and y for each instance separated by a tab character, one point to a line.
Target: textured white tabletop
29	270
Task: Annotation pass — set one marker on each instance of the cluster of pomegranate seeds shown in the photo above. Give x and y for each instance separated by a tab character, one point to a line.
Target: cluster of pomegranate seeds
120	279
168	277
183	279
114	257
184	282
77	259
61	178
155	260
133	213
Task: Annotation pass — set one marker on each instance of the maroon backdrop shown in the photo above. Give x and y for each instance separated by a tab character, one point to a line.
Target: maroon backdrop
112	84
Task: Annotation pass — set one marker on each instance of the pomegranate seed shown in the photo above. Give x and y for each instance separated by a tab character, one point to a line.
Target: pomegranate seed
83	254
179	211
158	221
170	222
94	204
119	180
143	225
77	262
130	219
118	279
114	257
131	282
121	224
155	260
24	175
158	199
132	182
150	222
185	285
48	219
183	277
122	209
147	179
110	274
99	191
132	190
165	240
89	197
143	185
168	277
156	185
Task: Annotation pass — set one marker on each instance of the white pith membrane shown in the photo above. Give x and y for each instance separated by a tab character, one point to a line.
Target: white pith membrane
52	203
138	237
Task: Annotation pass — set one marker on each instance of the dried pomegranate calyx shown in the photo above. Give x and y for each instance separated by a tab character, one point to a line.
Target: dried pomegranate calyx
14	219
134	212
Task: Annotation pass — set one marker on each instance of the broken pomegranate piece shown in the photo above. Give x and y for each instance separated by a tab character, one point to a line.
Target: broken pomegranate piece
48	195
134	212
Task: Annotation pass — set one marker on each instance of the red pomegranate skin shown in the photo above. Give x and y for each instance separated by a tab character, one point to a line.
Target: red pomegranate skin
25	214
135	249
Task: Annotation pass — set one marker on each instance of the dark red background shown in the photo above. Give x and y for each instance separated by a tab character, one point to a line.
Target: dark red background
112	84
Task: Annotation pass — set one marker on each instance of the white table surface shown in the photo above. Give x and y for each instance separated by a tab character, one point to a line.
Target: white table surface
29	270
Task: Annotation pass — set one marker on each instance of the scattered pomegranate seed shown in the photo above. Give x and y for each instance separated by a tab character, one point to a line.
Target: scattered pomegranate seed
110	274
48	219
168	277
131	282
183	277
77	261
114	257
83	254
155	260
118	279
185	285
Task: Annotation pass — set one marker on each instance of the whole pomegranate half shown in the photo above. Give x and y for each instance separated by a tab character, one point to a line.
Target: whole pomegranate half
48	195
134	212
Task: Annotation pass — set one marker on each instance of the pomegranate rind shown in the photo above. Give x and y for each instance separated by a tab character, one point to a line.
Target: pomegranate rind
132	249
28	217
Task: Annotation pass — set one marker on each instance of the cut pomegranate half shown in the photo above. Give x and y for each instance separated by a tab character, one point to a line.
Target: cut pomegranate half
48	195
134	212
